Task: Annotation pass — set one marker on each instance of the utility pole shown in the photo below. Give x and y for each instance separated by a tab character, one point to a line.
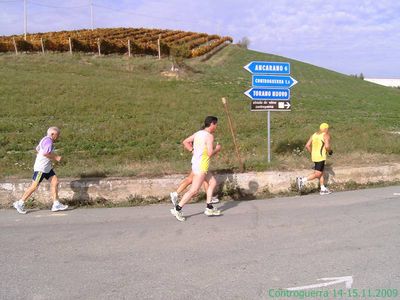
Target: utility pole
91	14
25	20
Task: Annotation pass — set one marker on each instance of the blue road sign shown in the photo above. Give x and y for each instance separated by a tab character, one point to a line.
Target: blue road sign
267	67
268	94
273	81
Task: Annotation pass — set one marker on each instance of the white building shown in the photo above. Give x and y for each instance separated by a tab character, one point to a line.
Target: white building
392	82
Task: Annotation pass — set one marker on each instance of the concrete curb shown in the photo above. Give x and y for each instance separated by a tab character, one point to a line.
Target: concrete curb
122	189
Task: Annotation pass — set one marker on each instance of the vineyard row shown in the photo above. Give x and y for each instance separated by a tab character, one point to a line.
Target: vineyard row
116	40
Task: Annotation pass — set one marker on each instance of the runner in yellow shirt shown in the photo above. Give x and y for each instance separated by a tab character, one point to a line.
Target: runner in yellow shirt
318	145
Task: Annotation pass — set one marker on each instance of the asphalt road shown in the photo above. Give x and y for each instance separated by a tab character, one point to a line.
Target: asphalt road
256	250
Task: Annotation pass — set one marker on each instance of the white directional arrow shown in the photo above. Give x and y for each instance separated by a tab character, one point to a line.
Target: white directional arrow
287	105
294	82
348	280
247	93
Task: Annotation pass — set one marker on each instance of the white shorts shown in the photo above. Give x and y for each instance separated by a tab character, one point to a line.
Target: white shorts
197	169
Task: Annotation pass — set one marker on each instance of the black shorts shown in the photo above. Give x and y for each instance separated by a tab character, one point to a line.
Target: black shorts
319	166
39	176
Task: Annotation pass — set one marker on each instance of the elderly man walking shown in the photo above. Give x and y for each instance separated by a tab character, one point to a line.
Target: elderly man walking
43	168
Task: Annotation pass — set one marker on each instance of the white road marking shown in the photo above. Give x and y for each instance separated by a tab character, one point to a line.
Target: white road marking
51	215
333	280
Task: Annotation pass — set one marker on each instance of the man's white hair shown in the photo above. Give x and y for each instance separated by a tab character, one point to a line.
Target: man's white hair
53	129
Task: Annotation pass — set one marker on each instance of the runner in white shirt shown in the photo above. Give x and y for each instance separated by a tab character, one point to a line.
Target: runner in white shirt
202	145
43	168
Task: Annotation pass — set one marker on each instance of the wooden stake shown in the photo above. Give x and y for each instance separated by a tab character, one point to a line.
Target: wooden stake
159	46
241	164
129	48
15	47
98	45
70	45
41	43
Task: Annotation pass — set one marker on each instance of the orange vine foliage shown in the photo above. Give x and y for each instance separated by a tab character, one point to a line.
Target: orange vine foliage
115	40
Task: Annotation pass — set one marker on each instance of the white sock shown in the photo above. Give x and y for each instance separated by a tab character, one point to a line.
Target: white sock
323	188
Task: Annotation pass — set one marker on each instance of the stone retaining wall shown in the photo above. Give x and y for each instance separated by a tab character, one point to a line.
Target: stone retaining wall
122	189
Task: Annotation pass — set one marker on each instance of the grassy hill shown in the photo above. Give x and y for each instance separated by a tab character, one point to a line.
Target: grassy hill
127	116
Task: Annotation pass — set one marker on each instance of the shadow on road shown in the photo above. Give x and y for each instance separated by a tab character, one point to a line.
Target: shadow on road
193	215
228	205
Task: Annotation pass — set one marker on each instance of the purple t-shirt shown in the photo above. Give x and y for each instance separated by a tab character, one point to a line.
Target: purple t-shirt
42	163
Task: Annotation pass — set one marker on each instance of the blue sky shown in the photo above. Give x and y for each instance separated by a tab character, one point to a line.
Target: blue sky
348	36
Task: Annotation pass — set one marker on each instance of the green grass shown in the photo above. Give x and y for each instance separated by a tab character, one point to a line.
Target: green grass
121	116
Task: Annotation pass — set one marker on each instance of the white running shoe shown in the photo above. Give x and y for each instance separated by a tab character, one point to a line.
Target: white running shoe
19	206
214	200
57	206
212	212
325	192
174	198
177	214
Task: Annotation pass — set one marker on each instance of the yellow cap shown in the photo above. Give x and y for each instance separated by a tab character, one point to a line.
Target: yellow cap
323	126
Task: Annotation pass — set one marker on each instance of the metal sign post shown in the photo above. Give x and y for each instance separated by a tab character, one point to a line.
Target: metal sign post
269	136
271	83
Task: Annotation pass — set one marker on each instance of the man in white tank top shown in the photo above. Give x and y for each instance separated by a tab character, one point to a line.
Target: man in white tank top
43	169
201	144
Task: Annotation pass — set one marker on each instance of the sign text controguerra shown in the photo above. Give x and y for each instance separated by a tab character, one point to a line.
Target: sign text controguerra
273	81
